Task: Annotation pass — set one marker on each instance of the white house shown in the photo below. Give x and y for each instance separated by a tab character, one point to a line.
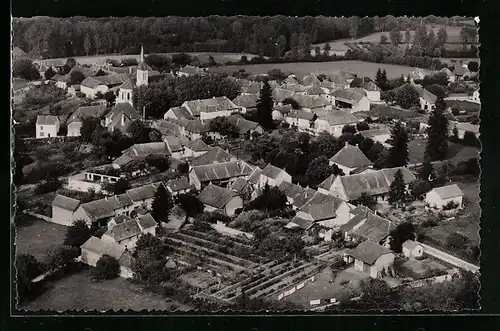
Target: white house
216	198
74	122
177	113
90	86
371	258
325	210
412	249
126	231
350	158
441	196
273	176
47	126
195	148
301	119
178	186
333	121
426	98
63	208
222	174
350	99
372	91
206	109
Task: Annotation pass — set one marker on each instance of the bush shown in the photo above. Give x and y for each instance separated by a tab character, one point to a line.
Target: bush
47	186
456	241
450	205
428	223
106	268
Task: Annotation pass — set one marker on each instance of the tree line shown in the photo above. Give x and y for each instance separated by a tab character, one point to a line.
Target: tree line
66	37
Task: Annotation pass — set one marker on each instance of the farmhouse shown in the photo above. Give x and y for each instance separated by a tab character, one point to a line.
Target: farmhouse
333	121
206	109
94	248
367	225
90	86
76	119
247	102
216	198
350	99
302	119
312	103
427	99
273	176
178	186
47	126
221	174
126	231
350	158
439	197
189	70
177	113
412	249
139	152
63	208
212	156
195	148
290	190
120	117
326	210
372	91
371	258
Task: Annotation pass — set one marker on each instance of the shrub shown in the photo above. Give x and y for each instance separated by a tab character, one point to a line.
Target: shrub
106	268
428	223
456	241
450	205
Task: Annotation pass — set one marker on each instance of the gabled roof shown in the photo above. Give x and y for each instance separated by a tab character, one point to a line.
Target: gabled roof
128	85
246	100
239	185
254	178
87	111
198	146
285	109
423	93
175	143
290	80
145	149
220	171
272	171
322	206
91	82
298	222
351	157
304	197
315	90
309	101
251	87
191	70
295	88
99	209
194	126
369	252
216	196
178	211
449	191
103	247
310	80
336	117
210	105
214	155
181	112
46	120
460	70
146	221
348	96
371	86
375	132
143	192
280	94
327	183
290	190
124	108
166	127
243	125
302	114
446	71
110	80
124	230
66	203
178	184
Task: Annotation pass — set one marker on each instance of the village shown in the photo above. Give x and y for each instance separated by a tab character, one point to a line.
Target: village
278	190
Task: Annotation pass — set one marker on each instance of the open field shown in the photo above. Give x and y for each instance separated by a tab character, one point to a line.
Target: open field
38	238
456	152
361	68
78	292
203	56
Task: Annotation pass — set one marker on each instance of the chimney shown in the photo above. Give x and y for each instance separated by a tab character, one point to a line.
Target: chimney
346	144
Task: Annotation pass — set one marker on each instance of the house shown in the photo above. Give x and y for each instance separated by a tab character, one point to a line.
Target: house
195	129
63	208
212	156
312	103
316	91
143	196
74	122
245	127
449	74
177	113
461	72
376	184
463	127
222	174
371	258
372	91
178	186
303	198
310	80
47	126
340	81
302	119
74	89
280	94
90	86
280	111
412	249
290	190
380	135
125	231
290	80
333	121
175	145
427	99
324	186
206	109
216	198
364	224
298	222
354	101
250	87
189	71
296	88
439	197
61	81
195	148
167	127
101	211
273	176
350	158
120	117
475	96
242	187
94	248
247	102
176	219
139	152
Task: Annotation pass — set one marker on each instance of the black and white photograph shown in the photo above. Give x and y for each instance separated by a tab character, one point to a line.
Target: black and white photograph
206	164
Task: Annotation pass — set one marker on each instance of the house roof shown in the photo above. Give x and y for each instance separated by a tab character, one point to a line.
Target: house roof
126	260
90	82
351	157
146	221
423	93
290	190
410	244
243	125
339	80
299	222
251	87
123	200
280	94
210	105
175	143
271	171
166	127
181	112
111	80
309	101
178	184
145	149
285	109
302	114
389	173
371	86
124	230
216	196
46	120
143	192
375	228
375	132
327	183
290	80
322	206
348	96
460	70
239	185
310	80
449	191
295	88
246	100
128	85
315	90
102	208
87	111
18	52
304	197
178	211
124	108
369	252
66	203
214	155
103	247
336	117
219	171
191	70
254	178
198	146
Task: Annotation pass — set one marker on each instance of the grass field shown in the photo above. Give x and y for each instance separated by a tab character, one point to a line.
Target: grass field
38	238
78	292
361	68
456	152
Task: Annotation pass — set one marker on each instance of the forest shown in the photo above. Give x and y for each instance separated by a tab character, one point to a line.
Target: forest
268	36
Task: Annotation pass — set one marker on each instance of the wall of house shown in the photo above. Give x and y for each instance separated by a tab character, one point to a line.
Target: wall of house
129	243
89	92
126	272
233	204
343	214
208	116
82	186
190	153
336	130
124	96
435	201
358	265
383	262
61	216
61	85
170	114
413	253
362	105
80	214
337	189
74	129
45	131
89	257
373	96
425	105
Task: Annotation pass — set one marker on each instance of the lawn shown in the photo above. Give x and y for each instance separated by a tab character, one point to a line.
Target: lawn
78	292
456	152
361	68
391	112
38	238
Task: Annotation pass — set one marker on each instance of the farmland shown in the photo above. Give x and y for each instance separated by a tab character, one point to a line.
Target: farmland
361	68
456	152
38	238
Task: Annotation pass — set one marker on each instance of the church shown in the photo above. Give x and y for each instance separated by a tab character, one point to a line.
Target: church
144	76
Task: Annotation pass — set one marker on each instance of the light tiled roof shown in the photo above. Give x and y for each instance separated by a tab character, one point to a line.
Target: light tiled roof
103	247
347	96
351	157
246	100
178	184
271	171
243	125
181	112
66	203
369	252
327	183
214	155
198	146
143	192
220	171
210	105
449	191
46	120
336	117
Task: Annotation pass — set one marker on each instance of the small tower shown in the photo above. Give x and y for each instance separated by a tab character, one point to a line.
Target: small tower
142	71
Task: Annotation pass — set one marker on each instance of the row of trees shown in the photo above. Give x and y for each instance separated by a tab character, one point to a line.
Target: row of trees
66	37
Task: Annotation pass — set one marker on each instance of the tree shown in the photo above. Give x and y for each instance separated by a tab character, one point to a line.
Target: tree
473	66
348	128
265	107
375	293
406	96
470	139
211	61
397	190
71	63
60	256
191	204
75	77
384	39
223	126
276	74
292	102
427	171
148	241
25	69
396	37
121	186
138	131
456	241
317	50
77	234
149	260
408	36
381	79
398	153
403	232
162	204
437	90
437	142
159	161
363	126
181	59
326	49
419	188
367	201
110	97
49	73
158	62
442	37
27	268
107	267
271	199
319	169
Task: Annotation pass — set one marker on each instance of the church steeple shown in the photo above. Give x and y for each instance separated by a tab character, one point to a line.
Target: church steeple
142	70
142	53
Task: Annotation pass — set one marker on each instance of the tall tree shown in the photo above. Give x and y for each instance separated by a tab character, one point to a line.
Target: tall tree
265	107
408	36
397	190
162	204
326	49
442	36
121	186
395	36
427	171
398	153
77	234
437	142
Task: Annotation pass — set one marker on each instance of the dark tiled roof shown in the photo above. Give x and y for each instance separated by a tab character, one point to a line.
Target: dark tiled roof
271	171
327	183
181	112
143	192
351	157
178	184
216	196
214	155
64	202
243	125
124	230
87	111
146	221
247	100
239	185
176	143
369	252
299	222
220	171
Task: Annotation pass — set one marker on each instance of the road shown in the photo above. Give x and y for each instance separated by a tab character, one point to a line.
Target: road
449	258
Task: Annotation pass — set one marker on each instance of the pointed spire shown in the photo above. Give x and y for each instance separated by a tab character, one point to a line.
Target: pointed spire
142	53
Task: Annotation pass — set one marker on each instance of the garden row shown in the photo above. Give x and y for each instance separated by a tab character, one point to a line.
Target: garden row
215	237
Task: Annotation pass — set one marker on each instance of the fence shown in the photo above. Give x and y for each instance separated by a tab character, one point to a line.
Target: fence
455	261
295	288
223	229
427	281
43	217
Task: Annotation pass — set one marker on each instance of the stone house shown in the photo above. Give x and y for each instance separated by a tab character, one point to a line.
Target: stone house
441	196
350	158
47	126
63	208
216	198
371	258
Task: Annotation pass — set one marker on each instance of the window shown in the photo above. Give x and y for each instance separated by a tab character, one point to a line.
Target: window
41	134
128	96
41	127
